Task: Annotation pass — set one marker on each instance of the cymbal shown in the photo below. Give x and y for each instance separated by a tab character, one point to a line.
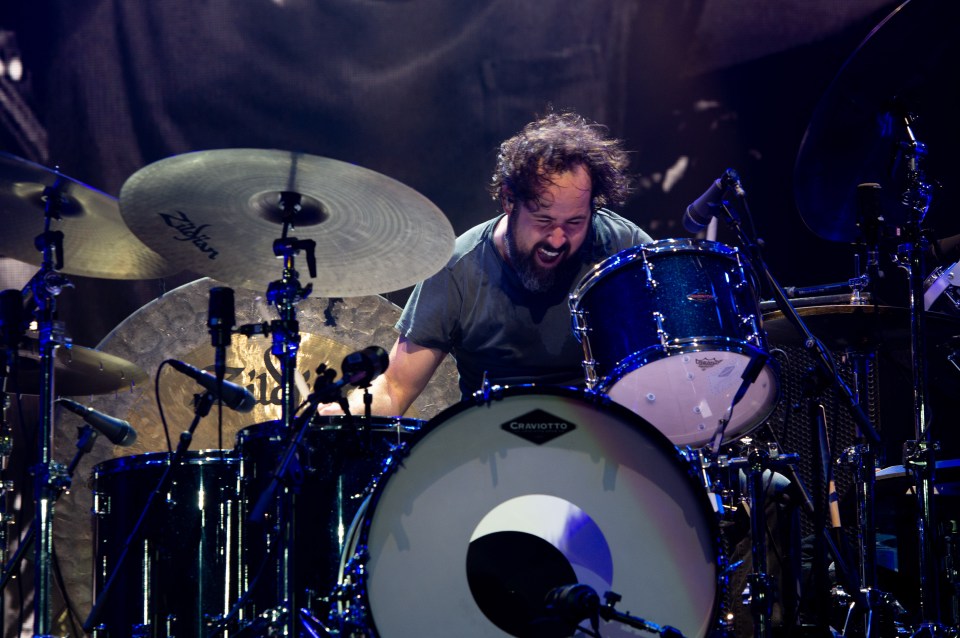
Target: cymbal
96	242
857	128
78	371
858	327
218	213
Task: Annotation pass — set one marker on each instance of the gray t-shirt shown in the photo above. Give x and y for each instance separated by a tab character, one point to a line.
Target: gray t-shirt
477	309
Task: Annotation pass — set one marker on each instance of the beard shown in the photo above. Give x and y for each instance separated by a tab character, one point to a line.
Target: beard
533	276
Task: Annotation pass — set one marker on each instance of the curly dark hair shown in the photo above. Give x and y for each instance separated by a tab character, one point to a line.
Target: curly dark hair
556	143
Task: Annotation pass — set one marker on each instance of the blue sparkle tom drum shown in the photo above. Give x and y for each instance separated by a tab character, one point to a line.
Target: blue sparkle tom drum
669	329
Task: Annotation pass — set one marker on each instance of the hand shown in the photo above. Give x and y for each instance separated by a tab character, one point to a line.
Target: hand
329	409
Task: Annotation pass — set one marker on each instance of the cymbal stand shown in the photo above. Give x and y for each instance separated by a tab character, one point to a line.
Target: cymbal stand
920	455
821	355
285	293
49	477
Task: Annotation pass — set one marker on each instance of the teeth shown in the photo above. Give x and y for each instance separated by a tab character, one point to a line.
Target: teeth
549	253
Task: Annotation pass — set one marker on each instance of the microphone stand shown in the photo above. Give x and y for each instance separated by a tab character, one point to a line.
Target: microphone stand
822	357
608	613
202	404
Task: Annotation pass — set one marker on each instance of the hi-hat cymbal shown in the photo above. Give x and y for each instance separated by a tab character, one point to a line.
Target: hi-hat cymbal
218	213
77	371
96	241
857	130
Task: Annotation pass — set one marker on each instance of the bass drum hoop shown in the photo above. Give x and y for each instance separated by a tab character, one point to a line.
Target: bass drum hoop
353	606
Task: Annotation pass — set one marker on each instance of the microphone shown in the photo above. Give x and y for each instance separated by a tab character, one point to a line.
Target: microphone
574	603
232	395
701	211
362	367
221	320
117	430
358	369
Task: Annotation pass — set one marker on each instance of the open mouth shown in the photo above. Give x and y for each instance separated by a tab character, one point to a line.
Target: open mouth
548	256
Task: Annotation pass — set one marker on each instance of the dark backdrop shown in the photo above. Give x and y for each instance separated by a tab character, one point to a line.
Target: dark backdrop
423	91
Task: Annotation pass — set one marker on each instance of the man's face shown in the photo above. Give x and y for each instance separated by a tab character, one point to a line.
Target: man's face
541	240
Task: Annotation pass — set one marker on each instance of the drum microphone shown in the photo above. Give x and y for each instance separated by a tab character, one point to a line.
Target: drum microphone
574	603
233	396
221	319
362	367
701	211
117	430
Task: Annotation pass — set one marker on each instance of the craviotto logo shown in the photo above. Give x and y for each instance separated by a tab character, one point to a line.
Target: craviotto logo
538	426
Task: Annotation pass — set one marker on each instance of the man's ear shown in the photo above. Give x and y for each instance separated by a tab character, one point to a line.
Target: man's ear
506	200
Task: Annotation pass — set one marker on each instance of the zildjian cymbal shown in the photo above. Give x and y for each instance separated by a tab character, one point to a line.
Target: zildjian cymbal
96	241
219	212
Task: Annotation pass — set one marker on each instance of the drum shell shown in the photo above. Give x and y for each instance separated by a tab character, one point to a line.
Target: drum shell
668	330
489	467
183	570
620	303
337	464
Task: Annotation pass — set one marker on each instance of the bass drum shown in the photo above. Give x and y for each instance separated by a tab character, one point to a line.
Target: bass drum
500	502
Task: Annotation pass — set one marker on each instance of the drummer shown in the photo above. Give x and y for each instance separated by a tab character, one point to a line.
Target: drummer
499	306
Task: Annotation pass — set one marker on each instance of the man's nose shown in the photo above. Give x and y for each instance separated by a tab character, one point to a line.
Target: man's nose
557	238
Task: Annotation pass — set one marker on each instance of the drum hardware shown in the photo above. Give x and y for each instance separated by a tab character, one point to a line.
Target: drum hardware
942	282
284	294
862	131
761	603
80	208
749	376
572	604
45	287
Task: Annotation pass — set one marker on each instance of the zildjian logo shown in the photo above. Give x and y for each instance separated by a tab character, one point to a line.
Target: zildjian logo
189	231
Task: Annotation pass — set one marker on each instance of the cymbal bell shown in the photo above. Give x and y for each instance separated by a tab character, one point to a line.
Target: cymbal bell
218	213
857	132
96	242
78	371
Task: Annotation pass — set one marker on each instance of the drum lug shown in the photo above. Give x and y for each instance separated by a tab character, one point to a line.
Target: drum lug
648	270
661	333
580	330
751	322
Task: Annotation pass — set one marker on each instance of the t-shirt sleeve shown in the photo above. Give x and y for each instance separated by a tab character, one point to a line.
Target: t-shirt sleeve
431	316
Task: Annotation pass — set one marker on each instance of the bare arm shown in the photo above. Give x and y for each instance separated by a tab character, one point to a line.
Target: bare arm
411	368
